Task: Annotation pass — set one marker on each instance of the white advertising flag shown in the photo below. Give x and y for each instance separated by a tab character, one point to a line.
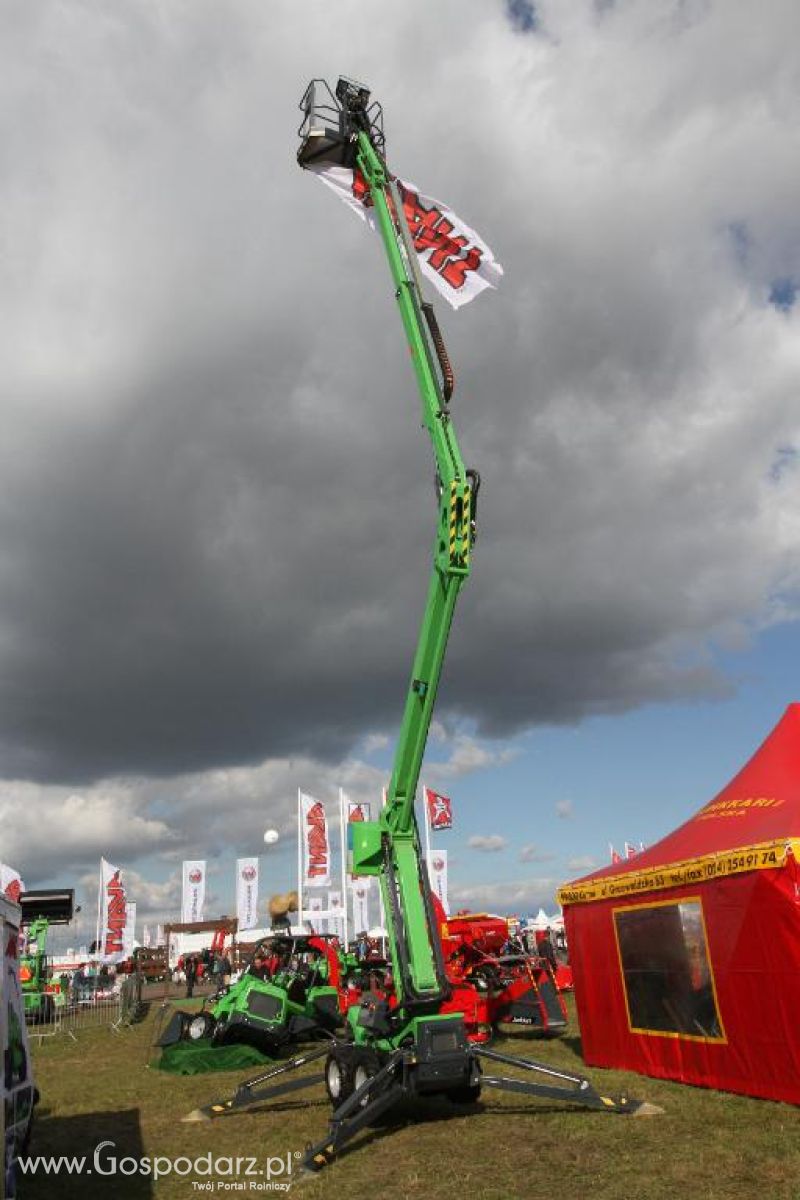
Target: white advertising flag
336	910
361	905
11	885
146	936
130	928
113	913
159	935
315	842
314	909
194	890
452	256
439	876
247	892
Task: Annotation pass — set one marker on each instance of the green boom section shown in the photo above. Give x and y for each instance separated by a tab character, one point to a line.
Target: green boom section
413	938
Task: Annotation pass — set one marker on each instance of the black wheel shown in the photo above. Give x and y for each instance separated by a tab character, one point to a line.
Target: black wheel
365	1065
338	1077
465	1095
199	1027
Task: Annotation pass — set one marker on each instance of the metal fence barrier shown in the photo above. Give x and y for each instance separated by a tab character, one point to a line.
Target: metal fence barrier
84	1006
43	1014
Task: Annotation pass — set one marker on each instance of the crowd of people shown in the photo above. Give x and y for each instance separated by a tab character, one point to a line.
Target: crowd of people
88	981
204	965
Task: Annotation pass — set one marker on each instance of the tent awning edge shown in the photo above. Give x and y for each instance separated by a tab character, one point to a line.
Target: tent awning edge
759	857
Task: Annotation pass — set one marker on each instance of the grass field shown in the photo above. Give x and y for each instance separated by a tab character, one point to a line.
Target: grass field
706	1144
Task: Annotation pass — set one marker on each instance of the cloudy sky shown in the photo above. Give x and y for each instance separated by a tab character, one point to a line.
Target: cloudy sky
216	507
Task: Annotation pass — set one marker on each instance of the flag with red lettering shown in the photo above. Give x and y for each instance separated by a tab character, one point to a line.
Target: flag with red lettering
440	810
616	857
631	850
11	885
452	256
315	842
113	912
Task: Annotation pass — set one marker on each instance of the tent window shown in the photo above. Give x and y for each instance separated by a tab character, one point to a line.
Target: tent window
665	966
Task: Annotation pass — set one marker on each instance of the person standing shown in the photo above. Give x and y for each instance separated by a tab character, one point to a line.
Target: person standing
546	951
190	967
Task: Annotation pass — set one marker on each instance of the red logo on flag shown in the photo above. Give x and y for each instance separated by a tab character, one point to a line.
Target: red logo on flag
440	810
117	916
317	834
195	876
452	256
248	874
14	891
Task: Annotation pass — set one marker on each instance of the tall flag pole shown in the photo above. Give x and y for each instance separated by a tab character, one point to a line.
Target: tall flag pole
300	860
427	829
99	906
342	834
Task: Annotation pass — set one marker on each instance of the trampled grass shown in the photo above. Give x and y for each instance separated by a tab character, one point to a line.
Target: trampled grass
707	1144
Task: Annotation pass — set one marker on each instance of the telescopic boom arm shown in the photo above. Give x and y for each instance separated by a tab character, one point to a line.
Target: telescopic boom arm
389	847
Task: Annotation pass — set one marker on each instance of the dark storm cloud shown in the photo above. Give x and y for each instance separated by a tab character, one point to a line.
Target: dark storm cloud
217	509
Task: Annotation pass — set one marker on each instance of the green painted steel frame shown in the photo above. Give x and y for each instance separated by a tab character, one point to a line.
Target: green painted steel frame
450	570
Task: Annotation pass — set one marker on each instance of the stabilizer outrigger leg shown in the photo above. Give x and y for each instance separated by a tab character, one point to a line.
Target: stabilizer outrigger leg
253	1091
372	1099
574	1089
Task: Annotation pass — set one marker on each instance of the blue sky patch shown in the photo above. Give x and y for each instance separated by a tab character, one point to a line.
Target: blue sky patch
783	293
522	15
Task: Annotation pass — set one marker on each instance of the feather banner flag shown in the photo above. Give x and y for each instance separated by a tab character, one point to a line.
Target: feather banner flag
452	256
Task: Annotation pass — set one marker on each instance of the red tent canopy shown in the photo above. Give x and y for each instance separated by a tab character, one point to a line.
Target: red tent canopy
686	957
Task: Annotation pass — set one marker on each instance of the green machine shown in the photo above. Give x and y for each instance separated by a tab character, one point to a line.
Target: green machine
406	1046
290	991
41	994
346	130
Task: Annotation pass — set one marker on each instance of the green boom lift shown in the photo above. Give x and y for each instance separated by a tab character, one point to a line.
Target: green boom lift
412	1048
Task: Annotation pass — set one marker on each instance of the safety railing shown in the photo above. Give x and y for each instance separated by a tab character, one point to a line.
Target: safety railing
44	1011
85	1004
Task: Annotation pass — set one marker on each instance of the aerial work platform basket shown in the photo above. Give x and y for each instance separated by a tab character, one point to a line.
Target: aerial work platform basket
331	122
